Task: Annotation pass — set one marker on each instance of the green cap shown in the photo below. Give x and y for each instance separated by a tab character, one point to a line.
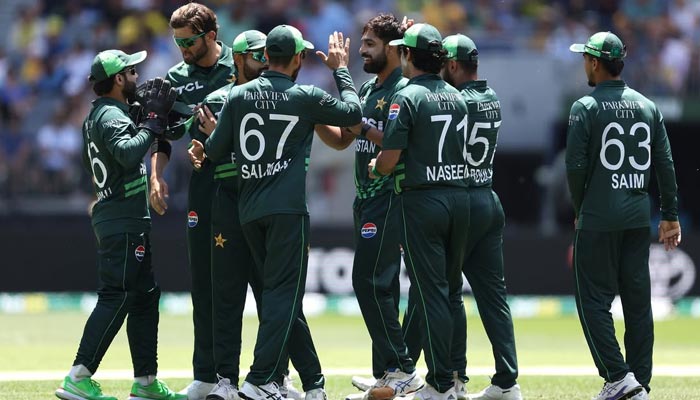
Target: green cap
605	45
420	36
107	63
286	40
248	41
460	47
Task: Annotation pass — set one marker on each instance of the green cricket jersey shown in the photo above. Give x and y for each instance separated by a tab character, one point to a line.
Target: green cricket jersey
193	83
113	151
270	129
482	131
375	102
615	134
225	170
428	121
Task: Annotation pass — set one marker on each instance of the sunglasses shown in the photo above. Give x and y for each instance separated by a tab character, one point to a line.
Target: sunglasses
187	42
128	70
259	56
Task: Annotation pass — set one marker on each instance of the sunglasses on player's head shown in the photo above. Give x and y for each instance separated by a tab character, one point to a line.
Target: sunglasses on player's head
187	42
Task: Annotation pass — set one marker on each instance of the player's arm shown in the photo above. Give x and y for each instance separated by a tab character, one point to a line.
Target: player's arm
577	136
344	112
365	130
220	143
384	164
334	136
127	145
662	160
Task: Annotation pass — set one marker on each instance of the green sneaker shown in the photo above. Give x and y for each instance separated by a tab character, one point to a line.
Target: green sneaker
157	390
86	389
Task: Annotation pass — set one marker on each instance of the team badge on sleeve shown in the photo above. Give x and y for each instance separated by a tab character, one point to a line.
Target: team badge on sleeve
192	219
368	230
394	110
140	252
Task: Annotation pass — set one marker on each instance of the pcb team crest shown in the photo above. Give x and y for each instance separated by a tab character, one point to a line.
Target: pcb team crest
192	219
368	230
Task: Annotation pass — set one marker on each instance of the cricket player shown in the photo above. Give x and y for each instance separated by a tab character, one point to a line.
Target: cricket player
615	135
113	153
483	261
268	123
423	145
207	65
377	254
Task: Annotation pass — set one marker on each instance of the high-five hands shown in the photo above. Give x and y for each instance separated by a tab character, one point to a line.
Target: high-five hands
338	51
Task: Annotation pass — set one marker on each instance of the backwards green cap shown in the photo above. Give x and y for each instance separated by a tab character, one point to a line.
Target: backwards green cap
420	36
248	41
605	45
460	47
109	62
286	40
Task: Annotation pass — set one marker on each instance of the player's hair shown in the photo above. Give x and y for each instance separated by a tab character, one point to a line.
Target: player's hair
430	61
614	67
198	17
282	61
385	26
104	86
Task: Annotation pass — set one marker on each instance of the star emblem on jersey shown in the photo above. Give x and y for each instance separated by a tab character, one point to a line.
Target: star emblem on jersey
219	241
380	103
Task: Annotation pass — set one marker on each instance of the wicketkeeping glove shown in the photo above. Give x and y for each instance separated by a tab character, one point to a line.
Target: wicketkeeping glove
157	98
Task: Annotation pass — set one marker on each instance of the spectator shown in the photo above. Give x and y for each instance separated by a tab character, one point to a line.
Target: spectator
59	145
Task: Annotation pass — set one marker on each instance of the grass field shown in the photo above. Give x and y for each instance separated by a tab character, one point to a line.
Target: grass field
45	344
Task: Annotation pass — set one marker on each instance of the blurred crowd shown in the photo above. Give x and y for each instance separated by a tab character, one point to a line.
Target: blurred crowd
49	45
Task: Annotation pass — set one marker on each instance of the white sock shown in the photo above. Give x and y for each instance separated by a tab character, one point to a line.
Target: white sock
79	372
145	380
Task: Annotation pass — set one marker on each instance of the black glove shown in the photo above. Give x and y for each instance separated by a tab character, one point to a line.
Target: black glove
157	98
136	113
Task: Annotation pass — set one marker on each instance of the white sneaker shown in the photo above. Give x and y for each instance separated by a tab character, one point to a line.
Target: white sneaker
620	389
493	392
316	394
642	395
356	396
395	383
268	391
460	389
223	390
362	383
197	390
288	391
429	393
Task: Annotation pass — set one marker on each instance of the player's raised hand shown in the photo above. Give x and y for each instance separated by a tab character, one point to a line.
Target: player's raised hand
406	23
196	152
338	51
670	234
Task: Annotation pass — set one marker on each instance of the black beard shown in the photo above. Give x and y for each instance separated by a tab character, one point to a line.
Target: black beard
199	55
591	84
129	92
374	66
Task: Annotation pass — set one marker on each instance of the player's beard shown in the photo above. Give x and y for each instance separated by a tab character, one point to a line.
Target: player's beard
296	73
251	73
197	54
129	91
447	77
375	64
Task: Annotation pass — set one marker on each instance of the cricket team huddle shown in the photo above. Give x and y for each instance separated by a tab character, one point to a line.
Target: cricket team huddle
425	130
